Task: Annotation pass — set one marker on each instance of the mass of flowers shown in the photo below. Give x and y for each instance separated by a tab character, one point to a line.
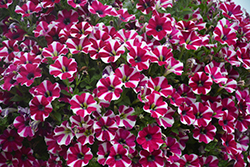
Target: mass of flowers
124	83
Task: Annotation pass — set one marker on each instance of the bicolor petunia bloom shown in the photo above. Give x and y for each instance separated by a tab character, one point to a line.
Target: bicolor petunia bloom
105	129
111	51
159	85
63	133
5	3
7	159
150	138
190	40
101	10
23	125
54	50
125	138
161	54
210	160
47	89
78	155
25	156
10	140
83	105
51	142
203	114
66	18
63	67
109	88
28	73
125	117
173	66
27	9
158	26
78	3
204	134
189	160
103	152
40	108
151	158
172	150
145	6
231	10
118	157
200	83
124	15
76	45
155	105
226	121
167	120
139	57
80	30
129	76
225	33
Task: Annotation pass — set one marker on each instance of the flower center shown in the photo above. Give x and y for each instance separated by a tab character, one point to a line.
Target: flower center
148	137
224	38
158	28
41	107
64	69
137	59
80	156
150	158
111	88
77	1
66	21
99	12
121	141
30	76
198	115
48	93
118	157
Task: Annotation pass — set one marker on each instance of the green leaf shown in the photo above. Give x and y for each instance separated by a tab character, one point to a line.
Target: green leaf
65	92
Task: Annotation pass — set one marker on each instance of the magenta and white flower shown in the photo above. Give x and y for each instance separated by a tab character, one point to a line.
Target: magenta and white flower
63	133
105	129
125	117
118	157
204	134
83	105
63	67
109	88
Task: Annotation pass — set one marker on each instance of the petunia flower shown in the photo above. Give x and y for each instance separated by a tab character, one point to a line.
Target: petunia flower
124	15
172	150
23	126
10	140
138	57
66	18
225	33
203	114
151	158
210	160
125	138
47	89
25	156
129	76
189	160
111	51
40	108
78	155
159	85
125	117
54	160
7	159
63	67
5	3
101	10
190	40
78	3
28	73
158	26
155	105
200	83
118	157
204	134
76	45
63	133
173	66
83	105
226	121
54	50
166	120
51	142
231	10
80	30
9	50
103	152
145	6
27	9
186	114
150	138
105	129
161	54
109	88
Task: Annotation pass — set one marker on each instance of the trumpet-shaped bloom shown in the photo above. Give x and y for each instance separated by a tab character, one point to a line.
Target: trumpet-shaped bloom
63	67
109	88
200	83
150	138
40	108
83	105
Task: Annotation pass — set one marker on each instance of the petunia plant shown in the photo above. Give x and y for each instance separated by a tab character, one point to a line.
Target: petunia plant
124	83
